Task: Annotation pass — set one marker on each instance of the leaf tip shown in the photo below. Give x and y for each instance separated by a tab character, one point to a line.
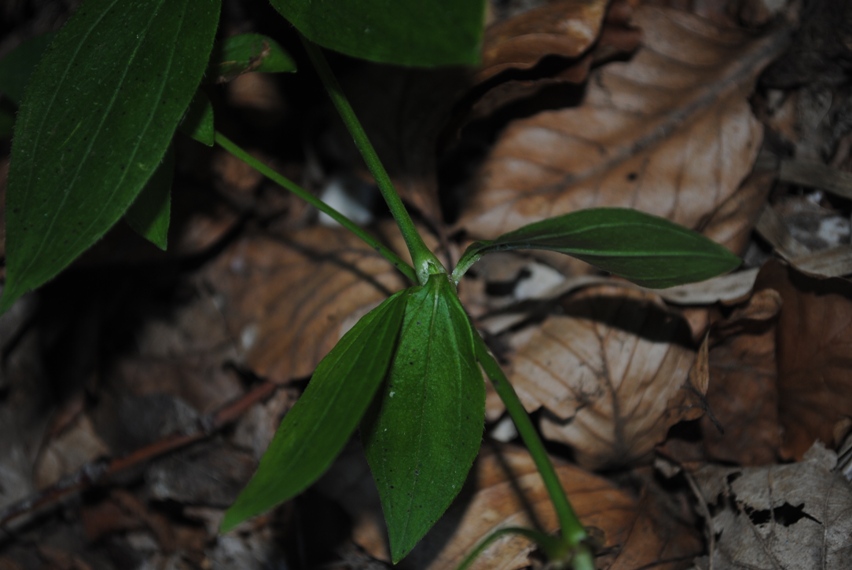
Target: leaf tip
231	520
8	297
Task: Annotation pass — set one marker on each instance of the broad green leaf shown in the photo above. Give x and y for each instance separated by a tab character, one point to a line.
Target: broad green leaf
198	121
18	65
401	32
98	115
248	52
645	249
317	427
149	214
425	428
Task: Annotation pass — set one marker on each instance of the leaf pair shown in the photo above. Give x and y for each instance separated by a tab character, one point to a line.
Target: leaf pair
413	358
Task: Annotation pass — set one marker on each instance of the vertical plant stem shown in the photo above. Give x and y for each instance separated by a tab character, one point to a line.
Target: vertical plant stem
341	219
425	262
573	533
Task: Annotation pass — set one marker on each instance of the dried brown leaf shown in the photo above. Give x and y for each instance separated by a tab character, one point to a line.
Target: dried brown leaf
612	375
814	343
289	297
76	446
506	490
742	396
781	516
207	474
669	132
579	33
566	29
180	347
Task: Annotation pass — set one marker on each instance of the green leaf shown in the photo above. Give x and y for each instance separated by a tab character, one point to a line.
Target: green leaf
99	113
198	121
18	65
645	249
425	428
248	52
401	32
317	427
149	214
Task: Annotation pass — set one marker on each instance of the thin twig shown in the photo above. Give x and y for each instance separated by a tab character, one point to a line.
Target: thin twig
98	472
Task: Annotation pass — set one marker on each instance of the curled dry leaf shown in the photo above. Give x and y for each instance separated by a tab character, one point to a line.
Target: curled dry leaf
563	28
781	516
578	32
814	343
669	133
505	490
288	298
612	375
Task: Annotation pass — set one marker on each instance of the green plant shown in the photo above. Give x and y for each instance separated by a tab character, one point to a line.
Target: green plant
92	144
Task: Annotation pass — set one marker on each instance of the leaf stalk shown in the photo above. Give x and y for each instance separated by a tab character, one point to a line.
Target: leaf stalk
335	215
425	262
574	536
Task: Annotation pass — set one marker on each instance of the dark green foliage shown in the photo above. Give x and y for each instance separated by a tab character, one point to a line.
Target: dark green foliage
248	52
423	433
149	214
319	424
645	249
97	118
402	32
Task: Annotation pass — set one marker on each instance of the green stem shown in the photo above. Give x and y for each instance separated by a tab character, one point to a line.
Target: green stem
425	262
552	547
573	533
291	186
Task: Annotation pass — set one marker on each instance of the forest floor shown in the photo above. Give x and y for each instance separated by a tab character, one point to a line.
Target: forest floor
703	426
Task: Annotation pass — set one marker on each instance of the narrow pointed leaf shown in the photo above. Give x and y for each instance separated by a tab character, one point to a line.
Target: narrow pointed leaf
149	214
97	117
248	52
317	427
401	32
645	249
425	428
17	66
198	121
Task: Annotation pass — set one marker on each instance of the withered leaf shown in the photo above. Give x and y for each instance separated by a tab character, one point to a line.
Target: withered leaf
780	516
288	298
562	28
506	490
742	398
814	343
68	451
612	375
555	43
669	133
